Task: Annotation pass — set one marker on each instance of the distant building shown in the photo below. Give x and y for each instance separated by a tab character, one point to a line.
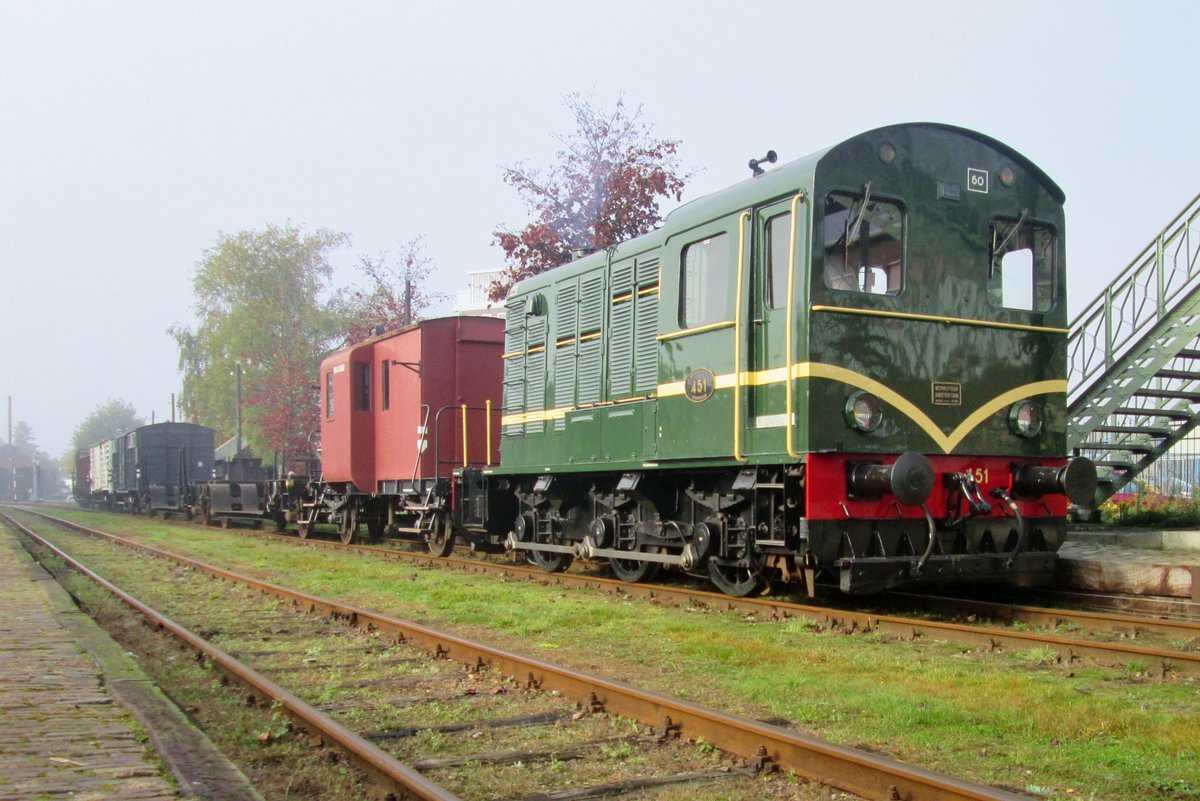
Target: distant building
474	299
230	464
18	477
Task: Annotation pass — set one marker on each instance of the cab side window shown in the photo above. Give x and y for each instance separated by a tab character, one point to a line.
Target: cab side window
704	282
779	237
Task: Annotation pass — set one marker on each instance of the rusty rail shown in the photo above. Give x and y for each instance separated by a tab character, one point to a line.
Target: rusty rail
382	768
1042	616
766	746
1069	649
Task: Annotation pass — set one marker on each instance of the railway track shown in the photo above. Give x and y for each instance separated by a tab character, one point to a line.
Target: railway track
1149	606
763	746
1166	647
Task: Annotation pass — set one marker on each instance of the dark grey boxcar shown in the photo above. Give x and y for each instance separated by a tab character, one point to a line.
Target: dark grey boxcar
155	466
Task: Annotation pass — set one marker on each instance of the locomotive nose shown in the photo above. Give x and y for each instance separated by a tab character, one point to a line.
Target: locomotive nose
909	478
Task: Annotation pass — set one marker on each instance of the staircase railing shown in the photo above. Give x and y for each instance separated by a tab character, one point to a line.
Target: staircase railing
1134	358
1161	282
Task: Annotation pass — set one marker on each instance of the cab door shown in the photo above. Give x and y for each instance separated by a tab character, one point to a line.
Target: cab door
778	270
702	342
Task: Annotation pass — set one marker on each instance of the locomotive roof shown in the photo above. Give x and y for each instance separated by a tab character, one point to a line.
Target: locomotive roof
790	176
778	182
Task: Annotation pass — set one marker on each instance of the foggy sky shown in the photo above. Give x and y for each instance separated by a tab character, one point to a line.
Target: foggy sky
133	133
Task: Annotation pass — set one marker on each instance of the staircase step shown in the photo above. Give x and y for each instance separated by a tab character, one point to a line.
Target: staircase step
1159	433
1147	392
1132	447
1174	414
1179	375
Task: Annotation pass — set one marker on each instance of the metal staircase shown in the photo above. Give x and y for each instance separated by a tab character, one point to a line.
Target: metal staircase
1134	358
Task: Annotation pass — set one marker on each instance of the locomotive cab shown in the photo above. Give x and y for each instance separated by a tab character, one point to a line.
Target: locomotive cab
938	323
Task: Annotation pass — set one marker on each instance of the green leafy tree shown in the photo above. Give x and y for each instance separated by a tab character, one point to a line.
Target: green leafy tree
395	294
23	437
605	188
110	419
258	299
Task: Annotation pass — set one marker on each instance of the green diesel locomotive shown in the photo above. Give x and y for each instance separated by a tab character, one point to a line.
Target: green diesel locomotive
848	368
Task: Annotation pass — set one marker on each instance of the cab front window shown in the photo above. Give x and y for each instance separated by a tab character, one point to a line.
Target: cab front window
1021	265
864	244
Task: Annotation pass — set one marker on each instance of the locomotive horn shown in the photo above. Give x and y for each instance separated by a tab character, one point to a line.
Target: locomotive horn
770	158
910	479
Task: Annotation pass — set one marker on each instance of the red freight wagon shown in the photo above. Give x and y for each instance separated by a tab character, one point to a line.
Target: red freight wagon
399	412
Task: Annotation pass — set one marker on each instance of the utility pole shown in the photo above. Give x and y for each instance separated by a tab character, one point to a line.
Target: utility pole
407	299
237	453
13	488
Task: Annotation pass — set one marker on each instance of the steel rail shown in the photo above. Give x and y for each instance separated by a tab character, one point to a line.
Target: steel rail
382	768
865	774
1159	661
1043	616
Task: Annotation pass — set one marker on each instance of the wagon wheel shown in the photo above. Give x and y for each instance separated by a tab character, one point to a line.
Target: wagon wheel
348	530
305	527
740	582
440	539
375	528
633	571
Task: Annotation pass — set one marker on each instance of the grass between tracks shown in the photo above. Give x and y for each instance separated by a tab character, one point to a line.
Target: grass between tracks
1015	720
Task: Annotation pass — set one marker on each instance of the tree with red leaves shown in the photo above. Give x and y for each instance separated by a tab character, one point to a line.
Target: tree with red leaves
395	294
605	188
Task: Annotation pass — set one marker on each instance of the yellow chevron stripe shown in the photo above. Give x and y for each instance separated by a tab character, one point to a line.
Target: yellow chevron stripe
947	442
809	370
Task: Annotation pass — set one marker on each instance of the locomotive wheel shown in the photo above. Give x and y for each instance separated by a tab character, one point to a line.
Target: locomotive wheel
205	515
349	527
740	582
549	561
280	523
633	571
440	540
225	522
304	528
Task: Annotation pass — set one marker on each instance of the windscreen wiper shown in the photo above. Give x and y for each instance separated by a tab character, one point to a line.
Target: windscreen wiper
862	211
999	250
